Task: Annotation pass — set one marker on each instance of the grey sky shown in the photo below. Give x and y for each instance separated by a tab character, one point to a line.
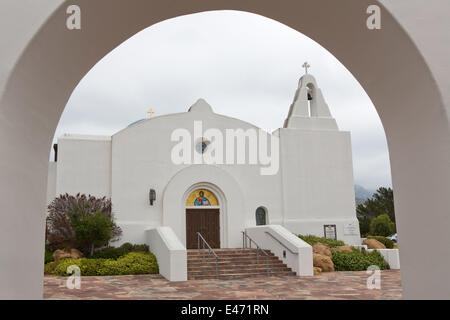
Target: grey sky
246	66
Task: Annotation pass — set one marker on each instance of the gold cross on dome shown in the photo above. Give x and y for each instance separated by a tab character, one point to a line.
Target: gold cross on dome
150	112
306	66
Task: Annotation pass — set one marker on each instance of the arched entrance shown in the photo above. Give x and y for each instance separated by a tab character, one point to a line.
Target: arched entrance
202	216
404	71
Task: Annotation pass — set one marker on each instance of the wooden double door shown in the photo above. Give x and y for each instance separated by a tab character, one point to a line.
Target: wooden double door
205	221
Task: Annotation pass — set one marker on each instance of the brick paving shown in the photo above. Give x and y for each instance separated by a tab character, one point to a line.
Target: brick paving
335	285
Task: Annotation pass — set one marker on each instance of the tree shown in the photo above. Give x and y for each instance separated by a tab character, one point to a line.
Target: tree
382	202
91	229
382	226
59	231
364	225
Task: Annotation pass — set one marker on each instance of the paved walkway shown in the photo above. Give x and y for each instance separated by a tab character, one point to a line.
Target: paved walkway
336	285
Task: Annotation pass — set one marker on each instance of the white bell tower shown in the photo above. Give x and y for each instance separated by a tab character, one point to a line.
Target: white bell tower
309	110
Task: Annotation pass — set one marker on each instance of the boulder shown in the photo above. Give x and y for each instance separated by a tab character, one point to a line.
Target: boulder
317	271
373	244
75	254
342	249
323	262
59	255
322	249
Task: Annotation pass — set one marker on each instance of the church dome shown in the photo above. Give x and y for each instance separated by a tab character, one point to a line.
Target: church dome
135	122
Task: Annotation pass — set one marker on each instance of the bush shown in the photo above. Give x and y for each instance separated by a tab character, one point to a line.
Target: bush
115	253
382	226
140	248
357	261
127	247
109	253
131	263
48	257
387	242
59	227
49	267
312	240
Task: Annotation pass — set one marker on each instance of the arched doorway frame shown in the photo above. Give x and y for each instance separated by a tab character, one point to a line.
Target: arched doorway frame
222	207
404	71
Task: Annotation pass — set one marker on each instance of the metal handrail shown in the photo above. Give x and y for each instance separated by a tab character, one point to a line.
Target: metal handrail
202	240
258	248
290	250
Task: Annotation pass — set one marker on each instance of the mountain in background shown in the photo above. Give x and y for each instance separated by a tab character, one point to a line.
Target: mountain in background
362	194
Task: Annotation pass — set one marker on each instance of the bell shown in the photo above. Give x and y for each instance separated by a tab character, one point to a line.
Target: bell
309	96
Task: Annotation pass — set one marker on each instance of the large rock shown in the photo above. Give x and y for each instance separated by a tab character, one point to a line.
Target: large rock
322	249
75	254
323	262
58	255
374	244
342	249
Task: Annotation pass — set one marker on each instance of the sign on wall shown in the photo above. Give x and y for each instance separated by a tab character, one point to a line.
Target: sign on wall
330	231
351	229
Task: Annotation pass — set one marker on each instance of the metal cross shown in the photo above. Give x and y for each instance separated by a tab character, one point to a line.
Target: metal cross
306	66
151	112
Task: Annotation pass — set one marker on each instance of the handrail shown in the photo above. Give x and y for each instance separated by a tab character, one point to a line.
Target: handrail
245	236
204	242
290	250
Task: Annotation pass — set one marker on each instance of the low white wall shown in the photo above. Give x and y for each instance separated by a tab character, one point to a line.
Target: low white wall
296	253
170	252
391	256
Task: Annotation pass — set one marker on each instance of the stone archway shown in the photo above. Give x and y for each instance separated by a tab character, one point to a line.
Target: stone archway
403	67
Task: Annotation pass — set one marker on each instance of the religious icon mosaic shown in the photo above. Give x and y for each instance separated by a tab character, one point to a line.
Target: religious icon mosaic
201	198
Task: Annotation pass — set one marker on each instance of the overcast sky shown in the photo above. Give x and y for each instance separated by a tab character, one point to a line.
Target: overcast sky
246	66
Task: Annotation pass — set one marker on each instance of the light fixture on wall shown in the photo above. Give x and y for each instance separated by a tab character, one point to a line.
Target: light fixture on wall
152	196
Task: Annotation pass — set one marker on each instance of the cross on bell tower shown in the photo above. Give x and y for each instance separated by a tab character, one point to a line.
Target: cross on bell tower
306	66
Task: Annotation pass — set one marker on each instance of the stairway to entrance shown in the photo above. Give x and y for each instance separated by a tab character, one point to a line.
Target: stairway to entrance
234	264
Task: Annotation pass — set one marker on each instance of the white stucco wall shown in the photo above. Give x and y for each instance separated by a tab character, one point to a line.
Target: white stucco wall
313	186
141	160
84	165
51	182
317	182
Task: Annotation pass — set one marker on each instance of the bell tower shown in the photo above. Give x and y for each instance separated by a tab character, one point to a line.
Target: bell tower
316	168
309	111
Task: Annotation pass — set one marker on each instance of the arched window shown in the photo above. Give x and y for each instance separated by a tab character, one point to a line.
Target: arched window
310	97
261	216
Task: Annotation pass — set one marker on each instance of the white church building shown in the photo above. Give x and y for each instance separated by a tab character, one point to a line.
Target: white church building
307	186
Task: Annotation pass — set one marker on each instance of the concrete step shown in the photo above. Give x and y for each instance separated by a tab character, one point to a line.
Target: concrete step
230	276
226	266
240	271
234	264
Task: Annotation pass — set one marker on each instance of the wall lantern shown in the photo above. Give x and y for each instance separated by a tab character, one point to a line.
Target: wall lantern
152	196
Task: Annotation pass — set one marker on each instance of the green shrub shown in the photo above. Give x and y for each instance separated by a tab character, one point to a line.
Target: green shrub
140	248
382	226
48	257
110	253
131	263
115	253
49	267
387	242
357	261
128	247
312	240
